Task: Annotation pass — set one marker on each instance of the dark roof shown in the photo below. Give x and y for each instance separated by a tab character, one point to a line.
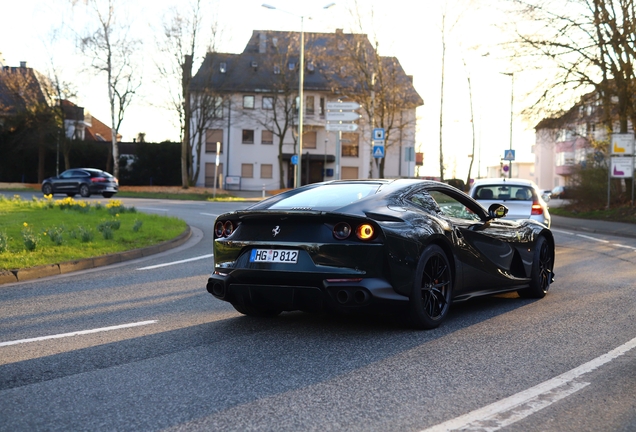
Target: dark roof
19	88
253	70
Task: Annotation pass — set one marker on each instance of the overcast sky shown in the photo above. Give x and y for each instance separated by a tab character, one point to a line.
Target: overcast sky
42	32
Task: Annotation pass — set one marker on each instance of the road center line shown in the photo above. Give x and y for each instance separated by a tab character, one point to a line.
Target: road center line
516	407
623	246
176	262
77	333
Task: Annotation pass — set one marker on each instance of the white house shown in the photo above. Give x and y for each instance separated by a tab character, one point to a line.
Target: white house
247	103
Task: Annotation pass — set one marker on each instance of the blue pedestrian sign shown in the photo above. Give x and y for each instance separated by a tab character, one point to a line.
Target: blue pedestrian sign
509	155
378	151
378	134
294	160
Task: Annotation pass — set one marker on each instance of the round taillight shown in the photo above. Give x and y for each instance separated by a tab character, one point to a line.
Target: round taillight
228	229
342	230
365	232
218	229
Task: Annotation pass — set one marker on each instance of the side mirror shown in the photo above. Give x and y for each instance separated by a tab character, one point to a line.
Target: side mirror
497	211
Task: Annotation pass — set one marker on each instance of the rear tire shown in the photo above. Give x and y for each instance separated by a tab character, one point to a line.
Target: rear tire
542	270
432	289
256	311
84	191
47	189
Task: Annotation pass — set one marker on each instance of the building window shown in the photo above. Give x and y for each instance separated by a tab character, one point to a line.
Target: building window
291	66
276	70
248	136
268	102
212	136
247	170
322	107
266	171
309	105
309	140
223	67
210	168
349	173
217	111
311	66
267	137
248	102
350	144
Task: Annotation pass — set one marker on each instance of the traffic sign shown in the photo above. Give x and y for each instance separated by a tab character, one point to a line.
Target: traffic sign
341	127
378	143
341	116
378	134
622	144
378	151
509	155
294	159
345	106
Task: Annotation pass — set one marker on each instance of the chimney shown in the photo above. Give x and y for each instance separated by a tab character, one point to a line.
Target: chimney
23	64
339	31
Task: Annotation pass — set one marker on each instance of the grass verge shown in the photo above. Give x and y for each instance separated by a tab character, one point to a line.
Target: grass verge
618	214
46	231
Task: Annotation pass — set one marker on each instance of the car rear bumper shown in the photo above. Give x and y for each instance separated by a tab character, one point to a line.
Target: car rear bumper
315	293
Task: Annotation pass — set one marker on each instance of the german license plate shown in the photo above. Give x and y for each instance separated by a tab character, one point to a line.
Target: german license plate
274	255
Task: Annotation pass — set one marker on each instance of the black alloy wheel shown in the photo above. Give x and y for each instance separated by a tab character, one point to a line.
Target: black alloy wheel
542	270
84	191
432	290
47	189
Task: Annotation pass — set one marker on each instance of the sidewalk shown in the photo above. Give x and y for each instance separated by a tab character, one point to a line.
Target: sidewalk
590	226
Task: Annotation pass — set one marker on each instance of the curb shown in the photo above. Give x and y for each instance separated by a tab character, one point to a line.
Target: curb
30	273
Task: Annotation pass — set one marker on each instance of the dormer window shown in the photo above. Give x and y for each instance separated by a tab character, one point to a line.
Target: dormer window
310	66
276	70
223	67
291	65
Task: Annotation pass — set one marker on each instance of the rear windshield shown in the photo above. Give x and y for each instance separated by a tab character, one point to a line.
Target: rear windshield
504	193
327	197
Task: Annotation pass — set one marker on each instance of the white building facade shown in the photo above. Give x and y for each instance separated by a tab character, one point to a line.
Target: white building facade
252	112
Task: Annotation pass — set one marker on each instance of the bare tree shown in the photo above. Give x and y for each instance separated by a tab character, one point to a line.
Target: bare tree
591	45
111	49
183	29
378	83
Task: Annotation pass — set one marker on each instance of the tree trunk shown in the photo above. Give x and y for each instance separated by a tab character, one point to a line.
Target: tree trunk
187	115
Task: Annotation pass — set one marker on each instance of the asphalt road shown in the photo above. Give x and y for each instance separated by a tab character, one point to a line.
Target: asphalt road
158	352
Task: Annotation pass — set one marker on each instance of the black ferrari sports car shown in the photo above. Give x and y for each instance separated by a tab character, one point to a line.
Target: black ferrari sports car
378	245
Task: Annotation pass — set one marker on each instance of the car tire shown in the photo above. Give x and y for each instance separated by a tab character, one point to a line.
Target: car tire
542	273
107	194
256	311
84	191
432	289
47	189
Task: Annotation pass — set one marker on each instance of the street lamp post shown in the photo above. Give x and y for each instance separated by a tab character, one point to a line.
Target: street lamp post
512	100
301	85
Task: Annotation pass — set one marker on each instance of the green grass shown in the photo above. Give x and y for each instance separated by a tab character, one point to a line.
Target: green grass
48	231
617	214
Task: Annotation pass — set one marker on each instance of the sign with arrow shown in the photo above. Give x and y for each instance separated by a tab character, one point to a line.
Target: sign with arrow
341	127
341	116
345	106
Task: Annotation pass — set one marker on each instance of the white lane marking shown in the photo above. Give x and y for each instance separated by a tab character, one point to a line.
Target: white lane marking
209	214
623	246
77	333
562	232
152	209
593	238
516	407
176	262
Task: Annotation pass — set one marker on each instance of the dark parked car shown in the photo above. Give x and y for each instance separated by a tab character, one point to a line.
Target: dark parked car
83	181
384	245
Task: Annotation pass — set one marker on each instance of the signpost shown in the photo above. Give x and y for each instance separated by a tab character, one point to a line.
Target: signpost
622	160
337	113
